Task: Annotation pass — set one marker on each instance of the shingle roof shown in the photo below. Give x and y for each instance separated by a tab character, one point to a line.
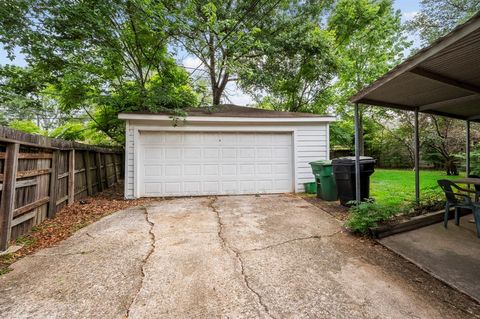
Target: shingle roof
231	110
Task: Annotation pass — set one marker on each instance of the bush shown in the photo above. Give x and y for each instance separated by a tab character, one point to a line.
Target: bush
368	214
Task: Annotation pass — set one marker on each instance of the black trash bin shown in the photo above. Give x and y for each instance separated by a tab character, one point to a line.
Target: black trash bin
344	171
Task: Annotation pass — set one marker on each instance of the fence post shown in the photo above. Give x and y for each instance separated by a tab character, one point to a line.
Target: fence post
7	204
71	177
114	159
98	160
52	193
86	157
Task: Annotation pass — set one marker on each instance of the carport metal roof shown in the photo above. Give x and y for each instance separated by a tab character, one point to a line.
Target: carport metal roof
441	79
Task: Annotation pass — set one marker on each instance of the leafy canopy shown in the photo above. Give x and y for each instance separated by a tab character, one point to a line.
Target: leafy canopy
101	57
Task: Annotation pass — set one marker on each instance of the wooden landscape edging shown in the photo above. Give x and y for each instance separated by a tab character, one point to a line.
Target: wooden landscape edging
413	223
40	175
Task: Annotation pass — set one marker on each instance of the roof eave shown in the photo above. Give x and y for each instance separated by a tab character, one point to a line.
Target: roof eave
225	119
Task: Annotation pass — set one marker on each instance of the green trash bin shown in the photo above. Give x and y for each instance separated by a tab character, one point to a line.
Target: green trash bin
326	186
310	187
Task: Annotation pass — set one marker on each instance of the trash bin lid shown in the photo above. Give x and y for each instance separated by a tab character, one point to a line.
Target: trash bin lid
350	159
321	163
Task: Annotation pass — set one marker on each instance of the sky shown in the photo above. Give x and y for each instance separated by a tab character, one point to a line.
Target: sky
408	9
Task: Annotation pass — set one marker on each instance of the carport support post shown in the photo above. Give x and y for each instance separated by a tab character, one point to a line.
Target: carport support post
467	150
357	156
417	158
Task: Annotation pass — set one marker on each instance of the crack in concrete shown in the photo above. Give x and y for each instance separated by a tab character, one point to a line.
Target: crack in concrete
237	255
145	259
84	252
293	240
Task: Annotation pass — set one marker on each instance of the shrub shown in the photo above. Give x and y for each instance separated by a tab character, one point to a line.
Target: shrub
368	214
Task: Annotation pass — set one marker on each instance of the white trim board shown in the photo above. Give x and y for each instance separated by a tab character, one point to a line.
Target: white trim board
225	119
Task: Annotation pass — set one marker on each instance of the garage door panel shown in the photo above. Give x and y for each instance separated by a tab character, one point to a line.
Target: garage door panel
171	170
280	184
173	138
192	139
153	171
246	139
264	153
190	170
246	153
192	153
211	170
154	154
173	153
211	187
246	169
282	152
173	188
229	153
192	187
188	163
211	153
264	186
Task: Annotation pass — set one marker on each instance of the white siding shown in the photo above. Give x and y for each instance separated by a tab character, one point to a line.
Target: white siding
129	161
310	144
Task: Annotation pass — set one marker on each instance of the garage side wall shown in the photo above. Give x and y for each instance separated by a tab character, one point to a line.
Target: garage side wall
310	143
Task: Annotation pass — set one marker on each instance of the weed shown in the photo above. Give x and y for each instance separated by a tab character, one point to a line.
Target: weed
25	240
368	214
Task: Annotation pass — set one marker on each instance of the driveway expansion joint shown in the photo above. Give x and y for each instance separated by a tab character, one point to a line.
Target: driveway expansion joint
237	255
145	259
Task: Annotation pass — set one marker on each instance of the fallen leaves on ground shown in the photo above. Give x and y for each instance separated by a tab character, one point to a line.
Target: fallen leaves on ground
70	219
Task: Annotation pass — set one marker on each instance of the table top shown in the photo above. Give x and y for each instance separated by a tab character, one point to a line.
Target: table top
468	180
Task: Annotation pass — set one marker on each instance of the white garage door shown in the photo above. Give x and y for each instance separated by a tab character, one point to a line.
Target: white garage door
205	163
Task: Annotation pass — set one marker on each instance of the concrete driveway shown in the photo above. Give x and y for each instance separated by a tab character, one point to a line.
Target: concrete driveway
212	257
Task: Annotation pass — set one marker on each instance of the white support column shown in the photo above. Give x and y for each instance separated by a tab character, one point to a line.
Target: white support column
467	150
417	158
357	156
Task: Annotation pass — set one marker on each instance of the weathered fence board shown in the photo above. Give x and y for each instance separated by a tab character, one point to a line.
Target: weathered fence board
39	176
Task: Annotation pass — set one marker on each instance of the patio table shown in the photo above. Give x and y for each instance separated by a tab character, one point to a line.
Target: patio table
468	180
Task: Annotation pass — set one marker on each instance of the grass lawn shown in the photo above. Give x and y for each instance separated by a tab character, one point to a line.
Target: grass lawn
393	187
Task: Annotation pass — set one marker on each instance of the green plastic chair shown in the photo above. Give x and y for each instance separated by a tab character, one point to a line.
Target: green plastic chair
458	201
477	188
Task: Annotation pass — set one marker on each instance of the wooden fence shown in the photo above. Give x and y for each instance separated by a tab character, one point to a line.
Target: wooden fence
40	175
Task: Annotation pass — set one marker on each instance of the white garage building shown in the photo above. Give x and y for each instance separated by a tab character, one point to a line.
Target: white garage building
230	150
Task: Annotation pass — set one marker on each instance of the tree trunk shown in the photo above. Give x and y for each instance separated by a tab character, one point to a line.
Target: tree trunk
217	95
451	167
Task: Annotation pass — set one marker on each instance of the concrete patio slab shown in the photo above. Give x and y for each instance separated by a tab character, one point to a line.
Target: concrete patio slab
452	255
273	256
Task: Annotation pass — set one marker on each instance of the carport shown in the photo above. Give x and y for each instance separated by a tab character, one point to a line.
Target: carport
441	79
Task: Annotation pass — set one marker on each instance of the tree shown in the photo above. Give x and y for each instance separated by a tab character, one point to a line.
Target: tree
438	17
25	95
370	40
224	35
26	126
293	70
443	141
101	57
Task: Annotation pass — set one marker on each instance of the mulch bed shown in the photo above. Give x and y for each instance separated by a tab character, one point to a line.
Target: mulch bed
68	220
